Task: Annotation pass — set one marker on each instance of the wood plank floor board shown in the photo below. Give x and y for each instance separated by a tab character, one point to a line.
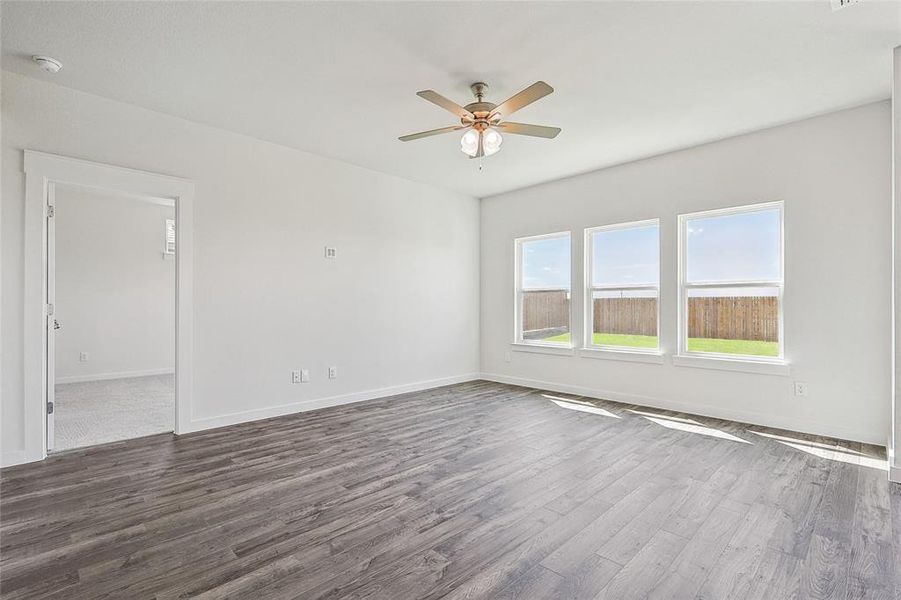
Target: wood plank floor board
872	567
591	538
476	490
646	569
895	501
588	579
698	557
733	572
702	497
777	576
622	546
515	564
826	566
538	583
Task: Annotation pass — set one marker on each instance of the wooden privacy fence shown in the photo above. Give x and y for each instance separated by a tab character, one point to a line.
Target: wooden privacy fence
629	316
720	317
545	310
734	318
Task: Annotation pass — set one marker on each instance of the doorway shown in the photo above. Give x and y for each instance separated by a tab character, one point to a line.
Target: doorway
127	400
111	344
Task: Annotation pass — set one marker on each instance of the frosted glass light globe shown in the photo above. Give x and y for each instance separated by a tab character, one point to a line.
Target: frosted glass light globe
469	143
492	141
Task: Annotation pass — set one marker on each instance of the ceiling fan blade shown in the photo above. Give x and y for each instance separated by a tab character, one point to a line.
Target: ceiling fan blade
449	105
431	132
534	92
526	129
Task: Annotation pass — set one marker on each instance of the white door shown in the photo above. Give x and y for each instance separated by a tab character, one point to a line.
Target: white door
52	323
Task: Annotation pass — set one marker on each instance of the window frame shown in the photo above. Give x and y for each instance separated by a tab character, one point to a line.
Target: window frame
684	286
590	288
518	291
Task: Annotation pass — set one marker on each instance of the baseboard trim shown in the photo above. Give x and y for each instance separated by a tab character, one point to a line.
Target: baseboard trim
894	474
12	458
317	403
119	375
894	470
704	410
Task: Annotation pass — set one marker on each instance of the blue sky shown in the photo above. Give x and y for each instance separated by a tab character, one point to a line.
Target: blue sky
719	248
626	256
545	263
731	247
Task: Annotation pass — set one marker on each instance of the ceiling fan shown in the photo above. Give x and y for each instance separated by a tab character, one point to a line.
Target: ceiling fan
483	121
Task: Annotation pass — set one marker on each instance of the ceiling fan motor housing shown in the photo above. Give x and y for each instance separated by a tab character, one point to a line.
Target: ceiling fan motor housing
479	109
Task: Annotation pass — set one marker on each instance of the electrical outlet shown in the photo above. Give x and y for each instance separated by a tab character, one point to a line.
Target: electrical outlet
332	372
83	357
800	388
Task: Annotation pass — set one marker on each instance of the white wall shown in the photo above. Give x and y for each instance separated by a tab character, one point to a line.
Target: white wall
115	288
833	172
397	309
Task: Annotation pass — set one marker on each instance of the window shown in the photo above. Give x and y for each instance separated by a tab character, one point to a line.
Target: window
543	274
170	236
623	273
731	282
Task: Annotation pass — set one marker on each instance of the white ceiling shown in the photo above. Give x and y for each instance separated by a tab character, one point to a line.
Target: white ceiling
339	79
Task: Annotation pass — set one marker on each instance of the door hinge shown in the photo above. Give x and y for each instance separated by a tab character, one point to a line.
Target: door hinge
50	408
49	310
51	210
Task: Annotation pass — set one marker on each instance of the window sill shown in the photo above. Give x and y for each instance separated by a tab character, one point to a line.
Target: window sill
542	349
644	356
761	367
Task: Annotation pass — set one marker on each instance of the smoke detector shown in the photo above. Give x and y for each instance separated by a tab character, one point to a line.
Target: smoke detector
49	64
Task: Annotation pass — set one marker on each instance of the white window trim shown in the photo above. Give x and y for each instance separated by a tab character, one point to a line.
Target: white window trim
720	362
732	362
518	341
643	355
559	348
588	307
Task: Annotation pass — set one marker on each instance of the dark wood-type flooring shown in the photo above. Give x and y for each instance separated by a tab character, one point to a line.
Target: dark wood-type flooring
478	490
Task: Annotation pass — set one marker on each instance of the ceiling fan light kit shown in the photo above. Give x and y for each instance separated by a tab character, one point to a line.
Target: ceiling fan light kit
482	121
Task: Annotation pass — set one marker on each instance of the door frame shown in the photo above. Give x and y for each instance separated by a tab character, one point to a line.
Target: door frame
42	172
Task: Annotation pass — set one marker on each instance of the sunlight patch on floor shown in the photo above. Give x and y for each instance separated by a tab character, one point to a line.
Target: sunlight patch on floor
579	406
689	425
828	451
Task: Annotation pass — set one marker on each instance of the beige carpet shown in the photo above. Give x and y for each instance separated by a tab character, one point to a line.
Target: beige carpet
96	412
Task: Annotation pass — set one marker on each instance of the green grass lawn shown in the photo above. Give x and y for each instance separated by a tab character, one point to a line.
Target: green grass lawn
613	339
746	347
